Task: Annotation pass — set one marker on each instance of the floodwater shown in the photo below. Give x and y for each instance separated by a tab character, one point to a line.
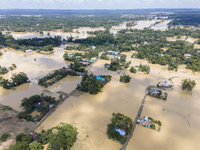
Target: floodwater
43	65
80	33
91	113
162	25
144	24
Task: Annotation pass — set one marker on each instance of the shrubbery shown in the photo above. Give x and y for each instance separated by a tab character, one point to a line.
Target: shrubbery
125	78
188	84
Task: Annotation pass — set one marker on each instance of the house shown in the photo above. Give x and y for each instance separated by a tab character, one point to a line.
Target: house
187	56
144	121
93	59
28	50
84	62
112	53
100	78
121	131
118	56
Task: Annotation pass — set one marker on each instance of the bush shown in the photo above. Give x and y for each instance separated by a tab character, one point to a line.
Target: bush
144	68
6	108
188	84
4	137
125	78
153	126
133	70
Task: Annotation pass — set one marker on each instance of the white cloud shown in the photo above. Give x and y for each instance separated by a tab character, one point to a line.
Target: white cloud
99	4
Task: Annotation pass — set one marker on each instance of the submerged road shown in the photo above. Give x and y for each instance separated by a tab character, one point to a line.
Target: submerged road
135	121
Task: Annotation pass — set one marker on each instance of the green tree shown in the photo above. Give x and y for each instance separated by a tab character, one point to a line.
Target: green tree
188	84
133	70
35	146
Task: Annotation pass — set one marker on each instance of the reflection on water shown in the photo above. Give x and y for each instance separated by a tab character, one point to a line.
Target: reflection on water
162	25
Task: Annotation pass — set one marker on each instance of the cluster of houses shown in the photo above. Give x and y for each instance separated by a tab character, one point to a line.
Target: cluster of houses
83	61
144	121
154	91
165	84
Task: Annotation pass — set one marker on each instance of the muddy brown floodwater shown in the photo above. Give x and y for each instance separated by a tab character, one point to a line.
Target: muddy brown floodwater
91	113
34	69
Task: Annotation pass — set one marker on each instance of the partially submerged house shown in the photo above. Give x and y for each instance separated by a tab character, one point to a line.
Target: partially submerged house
112	53
121	131
144	121
165	84
100	78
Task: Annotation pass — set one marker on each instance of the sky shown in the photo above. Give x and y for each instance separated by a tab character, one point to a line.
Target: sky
97	4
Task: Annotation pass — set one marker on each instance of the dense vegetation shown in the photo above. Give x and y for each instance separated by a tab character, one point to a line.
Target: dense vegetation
125	78
65	20
92	85
118	64
62	136
40	103
3	70
121	122
103	56
72	56
16	80
144	68
76	66
55	76
44	44
186	19
153	46
188	84
133	70
4	137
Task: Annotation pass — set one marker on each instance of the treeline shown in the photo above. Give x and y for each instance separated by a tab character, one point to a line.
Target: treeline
41	103
54	77
45	44
62	136
91	84
38	42
186	19
16	80
64	22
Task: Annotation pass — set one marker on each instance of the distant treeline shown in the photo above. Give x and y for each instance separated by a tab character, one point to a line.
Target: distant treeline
186	19
24	44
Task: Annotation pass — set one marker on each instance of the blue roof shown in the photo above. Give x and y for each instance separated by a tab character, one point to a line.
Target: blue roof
121	132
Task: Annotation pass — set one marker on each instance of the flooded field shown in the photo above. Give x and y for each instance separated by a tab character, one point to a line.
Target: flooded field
91	113
183	38
79	33
34	69
161	26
